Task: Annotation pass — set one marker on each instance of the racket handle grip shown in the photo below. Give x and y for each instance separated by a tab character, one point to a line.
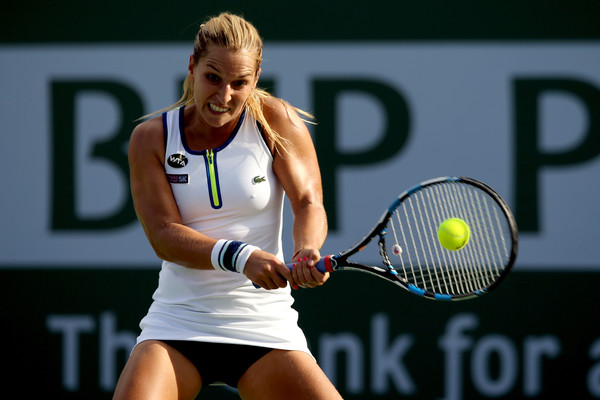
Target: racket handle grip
323	265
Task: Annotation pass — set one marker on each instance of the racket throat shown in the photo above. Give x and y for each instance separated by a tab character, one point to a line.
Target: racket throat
383	252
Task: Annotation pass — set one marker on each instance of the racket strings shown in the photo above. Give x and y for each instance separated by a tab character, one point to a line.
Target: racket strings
460	279
476	277
424	263
441	208
465	260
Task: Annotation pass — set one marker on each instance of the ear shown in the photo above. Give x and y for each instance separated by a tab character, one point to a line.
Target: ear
191	65
257	77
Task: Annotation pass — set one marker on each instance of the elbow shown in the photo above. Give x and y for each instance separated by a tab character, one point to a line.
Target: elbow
156	241
158	249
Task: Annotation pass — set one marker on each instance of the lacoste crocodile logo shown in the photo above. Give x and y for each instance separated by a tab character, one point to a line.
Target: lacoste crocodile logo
258	179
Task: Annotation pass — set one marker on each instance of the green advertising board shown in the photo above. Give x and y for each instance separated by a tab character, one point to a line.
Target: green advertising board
535	337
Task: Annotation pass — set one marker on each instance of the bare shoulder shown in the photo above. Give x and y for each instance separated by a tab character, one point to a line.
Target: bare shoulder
283	118
152	128
148	136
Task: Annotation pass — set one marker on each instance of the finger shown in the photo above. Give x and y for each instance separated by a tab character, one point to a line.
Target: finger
284	275
318	277
295	272
313	275
271	282
303	274
294	280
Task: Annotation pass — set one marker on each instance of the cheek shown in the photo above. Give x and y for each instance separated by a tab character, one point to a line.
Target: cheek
244	95
199	87
241	98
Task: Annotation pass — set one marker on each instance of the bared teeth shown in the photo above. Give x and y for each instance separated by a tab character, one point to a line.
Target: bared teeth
217	108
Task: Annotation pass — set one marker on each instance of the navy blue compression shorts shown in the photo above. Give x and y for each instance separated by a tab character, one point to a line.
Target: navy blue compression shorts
219	362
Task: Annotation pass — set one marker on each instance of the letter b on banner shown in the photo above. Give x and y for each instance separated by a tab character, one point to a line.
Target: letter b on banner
112	151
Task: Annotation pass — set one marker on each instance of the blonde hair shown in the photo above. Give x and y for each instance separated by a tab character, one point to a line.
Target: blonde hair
233	33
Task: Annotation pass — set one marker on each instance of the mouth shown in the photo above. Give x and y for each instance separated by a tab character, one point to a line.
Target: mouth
217	109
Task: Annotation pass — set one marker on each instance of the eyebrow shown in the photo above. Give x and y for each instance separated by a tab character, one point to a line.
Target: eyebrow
249	74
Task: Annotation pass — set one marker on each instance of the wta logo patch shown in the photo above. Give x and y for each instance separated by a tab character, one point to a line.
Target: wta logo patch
177	160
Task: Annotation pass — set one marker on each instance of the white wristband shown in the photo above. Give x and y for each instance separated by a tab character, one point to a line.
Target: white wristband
231	255
242	258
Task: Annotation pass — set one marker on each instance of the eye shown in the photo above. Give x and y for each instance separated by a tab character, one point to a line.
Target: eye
240	83
213	78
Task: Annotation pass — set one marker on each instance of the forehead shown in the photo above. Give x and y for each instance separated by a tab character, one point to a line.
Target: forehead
236	62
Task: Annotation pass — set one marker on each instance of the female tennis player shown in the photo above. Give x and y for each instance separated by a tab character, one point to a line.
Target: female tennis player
208	178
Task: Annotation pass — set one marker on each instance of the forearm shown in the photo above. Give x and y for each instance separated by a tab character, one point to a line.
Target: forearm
309	232
310	227
182	245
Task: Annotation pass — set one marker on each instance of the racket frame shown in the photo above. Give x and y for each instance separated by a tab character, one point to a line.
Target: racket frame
339	261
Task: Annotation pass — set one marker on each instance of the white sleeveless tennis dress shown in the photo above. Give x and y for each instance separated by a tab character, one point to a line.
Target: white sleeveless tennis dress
230	193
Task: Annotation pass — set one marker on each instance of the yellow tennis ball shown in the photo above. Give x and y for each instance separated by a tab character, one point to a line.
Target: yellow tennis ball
454	233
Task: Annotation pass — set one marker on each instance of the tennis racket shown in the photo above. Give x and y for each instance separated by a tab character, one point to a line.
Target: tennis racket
412	255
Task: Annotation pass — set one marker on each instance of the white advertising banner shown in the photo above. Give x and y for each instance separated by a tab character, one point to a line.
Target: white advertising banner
523	117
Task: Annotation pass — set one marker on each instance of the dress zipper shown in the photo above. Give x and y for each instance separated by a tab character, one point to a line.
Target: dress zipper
213	183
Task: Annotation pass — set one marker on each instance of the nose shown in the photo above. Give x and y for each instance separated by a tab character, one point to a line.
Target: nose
224	93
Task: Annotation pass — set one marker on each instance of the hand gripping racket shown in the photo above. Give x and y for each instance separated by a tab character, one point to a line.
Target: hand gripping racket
414	258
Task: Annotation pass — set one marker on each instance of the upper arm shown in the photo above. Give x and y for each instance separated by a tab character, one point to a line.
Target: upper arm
296	167
153	200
